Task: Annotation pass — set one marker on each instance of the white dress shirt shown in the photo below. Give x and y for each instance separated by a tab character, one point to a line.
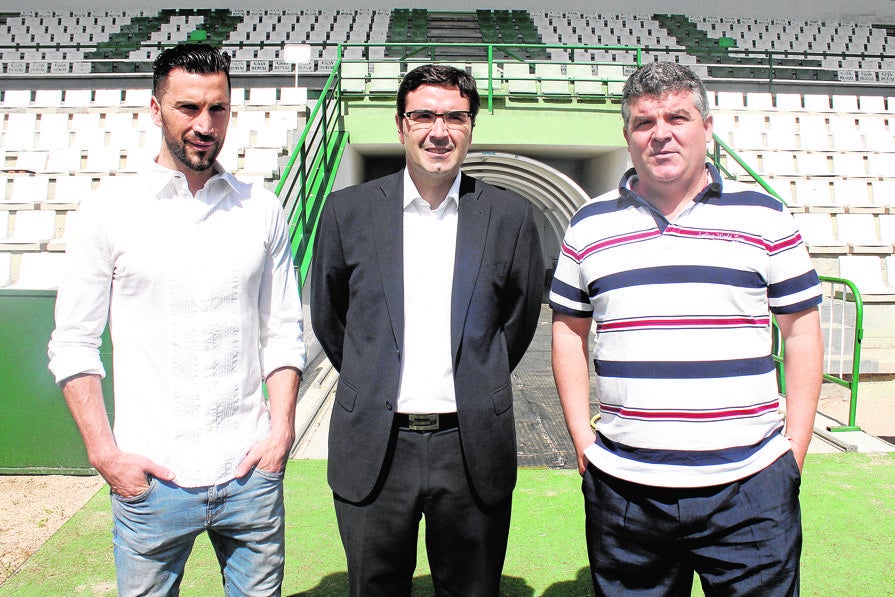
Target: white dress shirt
202	304
430	241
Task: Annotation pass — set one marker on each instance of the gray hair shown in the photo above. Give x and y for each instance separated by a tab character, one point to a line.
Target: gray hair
658	78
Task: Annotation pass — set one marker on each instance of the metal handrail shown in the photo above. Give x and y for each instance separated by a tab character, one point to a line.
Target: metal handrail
309	174
847	293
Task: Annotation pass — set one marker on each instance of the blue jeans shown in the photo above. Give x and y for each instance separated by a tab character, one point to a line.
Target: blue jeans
153	534
742	539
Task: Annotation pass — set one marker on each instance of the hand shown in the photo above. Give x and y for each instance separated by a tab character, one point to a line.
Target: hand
581	444
269	454
798	452
128	474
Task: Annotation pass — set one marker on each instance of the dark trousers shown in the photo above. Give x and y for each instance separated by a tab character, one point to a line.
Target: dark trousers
465	542
744	538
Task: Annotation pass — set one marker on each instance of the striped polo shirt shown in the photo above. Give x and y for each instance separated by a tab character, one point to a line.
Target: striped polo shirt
682	349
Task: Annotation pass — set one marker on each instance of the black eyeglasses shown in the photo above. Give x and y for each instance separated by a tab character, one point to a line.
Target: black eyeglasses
454	119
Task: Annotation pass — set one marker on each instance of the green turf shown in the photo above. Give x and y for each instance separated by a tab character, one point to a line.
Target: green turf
848	503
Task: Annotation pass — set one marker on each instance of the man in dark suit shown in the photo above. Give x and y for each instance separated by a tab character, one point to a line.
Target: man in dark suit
426	289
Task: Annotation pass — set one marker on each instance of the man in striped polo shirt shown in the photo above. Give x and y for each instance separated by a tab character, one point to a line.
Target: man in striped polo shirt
693	467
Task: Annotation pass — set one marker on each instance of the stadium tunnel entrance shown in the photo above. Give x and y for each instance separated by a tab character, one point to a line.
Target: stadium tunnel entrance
554	195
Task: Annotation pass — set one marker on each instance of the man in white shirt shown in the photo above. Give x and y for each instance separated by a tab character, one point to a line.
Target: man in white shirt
192	270
426	289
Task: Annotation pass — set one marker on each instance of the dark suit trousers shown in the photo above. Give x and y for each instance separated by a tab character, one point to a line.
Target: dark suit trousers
465	543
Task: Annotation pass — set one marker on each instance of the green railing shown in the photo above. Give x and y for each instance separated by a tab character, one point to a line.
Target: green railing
719	147
842	361
489	62
309	174
842	295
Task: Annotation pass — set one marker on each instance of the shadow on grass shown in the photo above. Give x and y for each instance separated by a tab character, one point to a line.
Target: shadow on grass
511	586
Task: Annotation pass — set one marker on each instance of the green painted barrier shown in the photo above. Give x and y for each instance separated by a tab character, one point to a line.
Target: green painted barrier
37	433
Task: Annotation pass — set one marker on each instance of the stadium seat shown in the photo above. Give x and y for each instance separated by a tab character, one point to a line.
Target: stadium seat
102	160
853	193
17	98
789	102
69	227
137	98
386	77
756	100
615	75
260	161
730	100
849	165
813	164
812	193
817	102
887	230
884	192
354	76
77	98
293	96
872	104
30	228
40	271
262	96
866	272
271	136
745	138
552	79
877	135
817	232
70	190
28	190
813	135
124	137
890	269
519	79
845	103
20	131
53	133
107	98
583	80
881	164
31	161
5	268
859	232
47	98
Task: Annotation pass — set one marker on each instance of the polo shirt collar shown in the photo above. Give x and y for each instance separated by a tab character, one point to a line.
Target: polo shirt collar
160	177
712	190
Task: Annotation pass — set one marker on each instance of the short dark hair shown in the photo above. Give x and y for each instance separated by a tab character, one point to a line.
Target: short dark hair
655	79
439	74
193	58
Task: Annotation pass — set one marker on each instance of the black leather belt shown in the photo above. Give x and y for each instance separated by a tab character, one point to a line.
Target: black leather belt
427	422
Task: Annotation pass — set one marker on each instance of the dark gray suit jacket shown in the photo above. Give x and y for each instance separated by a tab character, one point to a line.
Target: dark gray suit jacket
357	312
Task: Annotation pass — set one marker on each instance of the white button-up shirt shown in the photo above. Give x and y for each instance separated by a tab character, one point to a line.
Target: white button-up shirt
202	304
430	241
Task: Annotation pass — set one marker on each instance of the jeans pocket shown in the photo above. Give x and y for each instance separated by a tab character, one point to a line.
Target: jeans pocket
270	476
140	497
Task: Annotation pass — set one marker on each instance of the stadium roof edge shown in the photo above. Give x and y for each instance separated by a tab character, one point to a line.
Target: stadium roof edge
874	10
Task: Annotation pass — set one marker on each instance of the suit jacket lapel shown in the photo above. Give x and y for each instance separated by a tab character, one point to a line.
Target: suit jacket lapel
387	217
472	227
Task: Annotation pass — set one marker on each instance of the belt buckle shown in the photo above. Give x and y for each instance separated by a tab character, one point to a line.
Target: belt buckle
417	422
